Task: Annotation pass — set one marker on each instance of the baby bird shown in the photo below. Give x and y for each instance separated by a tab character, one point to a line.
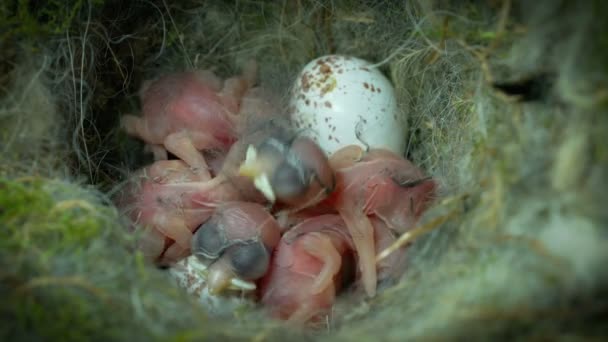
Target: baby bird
236	242
376	184
307	270
167	201
315	261
188	112
291	171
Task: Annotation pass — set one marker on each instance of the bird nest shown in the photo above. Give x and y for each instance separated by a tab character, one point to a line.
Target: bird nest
507	110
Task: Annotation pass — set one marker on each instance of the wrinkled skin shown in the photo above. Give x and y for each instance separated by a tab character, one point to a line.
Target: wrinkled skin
376	184
307	269
187	113
348	205
236	242
391	268
168	201
315	260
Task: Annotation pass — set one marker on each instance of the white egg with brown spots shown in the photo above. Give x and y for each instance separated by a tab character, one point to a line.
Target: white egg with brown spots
341	100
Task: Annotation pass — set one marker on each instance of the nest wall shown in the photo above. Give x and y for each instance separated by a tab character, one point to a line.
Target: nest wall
507	107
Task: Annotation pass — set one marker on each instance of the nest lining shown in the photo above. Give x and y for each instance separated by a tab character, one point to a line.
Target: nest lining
520	241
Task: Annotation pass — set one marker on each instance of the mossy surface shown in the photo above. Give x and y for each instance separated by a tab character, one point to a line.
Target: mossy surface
70	273
48	291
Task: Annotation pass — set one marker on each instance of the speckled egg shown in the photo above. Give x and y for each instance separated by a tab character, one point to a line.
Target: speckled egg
341	100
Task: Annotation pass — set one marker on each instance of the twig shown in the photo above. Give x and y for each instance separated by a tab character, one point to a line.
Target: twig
70	204
415	233
64	281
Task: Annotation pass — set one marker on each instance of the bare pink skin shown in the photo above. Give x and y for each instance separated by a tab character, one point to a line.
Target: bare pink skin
376	183
168	200
311	263
189	112
201	120
393	266
241	231
305	274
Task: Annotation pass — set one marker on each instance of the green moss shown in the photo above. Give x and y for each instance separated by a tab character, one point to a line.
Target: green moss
67	272
33	217
63	261
48	273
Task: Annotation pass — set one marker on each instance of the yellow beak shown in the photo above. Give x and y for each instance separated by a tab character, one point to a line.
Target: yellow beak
253	168
220	279
218	282
250	170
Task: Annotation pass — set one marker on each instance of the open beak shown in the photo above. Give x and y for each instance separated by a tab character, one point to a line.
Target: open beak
251	167
220	278
254	169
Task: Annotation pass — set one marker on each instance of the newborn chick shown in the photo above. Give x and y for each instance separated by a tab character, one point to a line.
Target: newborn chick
377	183
168	201
189	112
236	242
294	172
307	270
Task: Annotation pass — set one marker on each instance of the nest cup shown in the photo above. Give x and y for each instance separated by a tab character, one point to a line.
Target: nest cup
507	106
